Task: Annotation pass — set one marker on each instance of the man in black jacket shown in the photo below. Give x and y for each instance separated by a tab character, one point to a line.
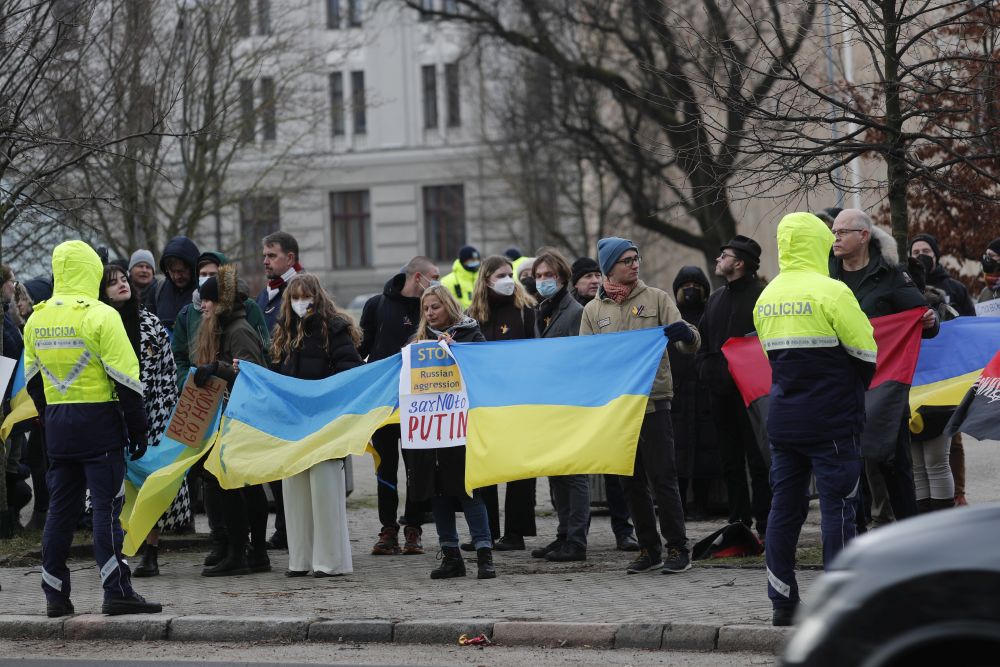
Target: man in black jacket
938	276
388	321
866	259
179	265
728	314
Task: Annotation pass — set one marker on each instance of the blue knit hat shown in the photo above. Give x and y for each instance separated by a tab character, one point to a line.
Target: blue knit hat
609	250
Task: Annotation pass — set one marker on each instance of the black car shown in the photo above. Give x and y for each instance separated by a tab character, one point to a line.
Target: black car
921	591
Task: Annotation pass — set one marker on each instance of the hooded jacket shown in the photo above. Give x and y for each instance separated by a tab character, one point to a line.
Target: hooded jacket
818	340
167	298
460	281
728	314
958	296
81	368
388	320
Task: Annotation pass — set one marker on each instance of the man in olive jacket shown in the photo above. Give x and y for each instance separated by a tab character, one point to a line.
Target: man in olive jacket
625	303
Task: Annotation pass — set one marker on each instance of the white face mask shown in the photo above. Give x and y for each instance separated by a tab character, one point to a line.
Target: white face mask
301	306
503	286
202	280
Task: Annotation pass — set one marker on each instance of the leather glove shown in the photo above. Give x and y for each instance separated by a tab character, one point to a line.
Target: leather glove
204	372
679	331
136	449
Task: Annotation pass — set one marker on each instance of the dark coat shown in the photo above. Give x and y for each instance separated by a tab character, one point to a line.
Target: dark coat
239	341
270	307
564	320
441	471
728	314
388	320
958	296
507	322
313	360
166	299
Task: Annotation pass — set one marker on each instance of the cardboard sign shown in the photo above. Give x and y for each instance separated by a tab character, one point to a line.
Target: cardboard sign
433	405
988	308
195	411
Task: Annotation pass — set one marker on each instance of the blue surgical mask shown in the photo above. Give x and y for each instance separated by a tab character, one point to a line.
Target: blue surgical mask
547	287
472	266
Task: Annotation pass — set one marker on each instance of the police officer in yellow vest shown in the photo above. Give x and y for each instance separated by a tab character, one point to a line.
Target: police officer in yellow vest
83	376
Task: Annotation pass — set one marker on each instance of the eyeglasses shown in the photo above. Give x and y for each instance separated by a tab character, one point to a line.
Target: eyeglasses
629	261
722	254
841	233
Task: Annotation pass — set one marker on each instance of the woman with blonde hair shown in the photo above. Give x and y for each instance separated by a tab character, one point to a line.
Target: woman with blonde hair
438	474
505	311
314	339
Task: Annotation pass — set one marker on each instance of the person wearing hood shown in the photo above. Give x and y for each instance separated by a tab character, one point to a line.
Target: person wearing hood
505	311
625	303
438	474
822	352
82	374
958	297
866	258
225	337
729	314
178	263
695	444
462	278
991	272
388	322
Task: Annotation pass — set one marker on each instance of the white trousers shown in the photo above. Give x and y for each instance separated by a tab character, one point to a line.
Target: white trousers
316	519
932	468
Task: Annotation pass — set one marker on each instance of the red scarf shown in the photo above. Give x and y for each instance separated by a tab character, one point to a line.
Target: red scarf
618	292
279	282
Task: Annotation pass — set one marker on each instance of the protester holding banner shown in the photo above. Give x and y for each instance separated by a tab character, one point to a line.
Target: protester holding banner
224	336
438	474
625	303
558	316
504	310
159	392
313	339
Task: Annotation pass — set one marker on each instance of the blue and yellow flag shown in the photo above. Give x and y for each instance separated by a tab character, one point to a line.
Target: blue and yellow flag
560	406
21	405
276	426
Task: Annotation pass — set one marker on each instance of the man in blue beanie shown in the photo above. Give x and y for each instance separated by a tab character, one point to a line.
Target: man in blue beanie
625	303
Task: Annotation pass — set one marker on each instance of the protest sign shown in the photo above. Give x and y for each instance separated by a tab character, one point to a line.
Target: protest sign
433	404
195	411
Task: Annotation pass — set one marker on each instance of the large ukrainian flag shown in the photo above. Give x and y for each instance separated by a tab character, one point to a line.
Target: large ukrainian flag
558	406
275	426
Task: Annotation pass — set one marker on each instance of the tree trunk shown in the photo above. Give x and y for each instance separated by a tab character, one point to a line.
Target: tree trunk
894	158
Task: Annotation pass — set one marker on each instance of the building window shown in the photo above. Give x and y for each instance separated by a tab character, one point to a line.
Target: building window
350	221
268	113
242	18
426	6
248	128
444	221
333	14
259	216
358	102
429	79
452	97
337	103
449	6
263	17
354	10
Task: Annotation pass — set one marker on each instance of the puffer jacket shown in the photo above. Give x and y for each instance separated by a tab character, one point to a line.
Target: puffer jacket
316	359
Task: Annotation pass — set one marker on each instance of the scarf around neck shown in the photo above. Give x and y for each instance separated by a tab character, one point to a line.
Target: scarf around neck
274	285
618	292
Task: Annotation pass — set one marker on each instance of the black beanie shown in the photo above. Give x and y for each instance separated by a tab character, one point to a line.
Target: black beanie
582	267
929	240
994	246
210	290
466	253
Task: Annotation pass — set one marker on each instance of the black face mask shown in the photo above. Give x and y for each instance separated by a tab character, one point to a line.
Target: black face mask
990	265
691	295
529	284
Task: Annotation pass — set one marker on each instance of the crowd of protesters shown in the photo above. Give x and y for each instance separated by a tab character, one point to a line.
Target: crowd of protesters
198	320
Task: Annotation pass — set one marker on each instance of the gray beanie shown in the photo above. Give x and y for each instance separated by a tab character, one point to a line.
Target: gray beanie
140	256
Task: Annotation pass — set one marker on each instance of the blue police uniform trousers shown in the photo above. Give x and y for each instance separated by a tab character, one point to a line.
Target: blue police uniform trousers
68	479
837	466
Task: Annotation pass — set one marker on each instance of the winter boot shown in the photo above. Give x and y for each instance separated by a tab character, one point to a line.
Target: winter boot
451	566
149	567
258	559
233	564
412	546
388	542
484	557
220	547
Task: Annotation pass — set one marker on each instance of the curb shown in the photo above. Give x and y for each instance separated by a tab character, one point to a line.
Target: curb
192	628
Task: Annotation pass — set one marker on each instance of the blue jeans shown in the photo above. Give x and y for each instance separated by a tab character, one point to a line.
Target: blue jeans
837	467
475	515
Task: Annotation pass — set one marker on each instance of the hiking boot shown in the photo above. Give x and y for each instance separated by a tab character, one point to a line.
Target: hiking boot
678	560
783	617
628	543
646	561
542	552
219	550
257	559
509	543
484	558
451	566
235	563
134	604
388	542
566	553
412	546
57	609
149	567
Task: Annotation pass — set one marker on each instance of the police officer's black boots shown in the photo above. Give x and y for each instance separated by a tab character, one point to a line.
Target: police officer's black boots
134	604
233	564
149	567
58	609
484	556
451	566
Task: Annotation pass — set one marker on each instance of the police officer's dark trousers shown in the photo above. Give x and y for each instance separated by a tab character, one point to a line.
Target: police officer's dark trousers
837	467
104	475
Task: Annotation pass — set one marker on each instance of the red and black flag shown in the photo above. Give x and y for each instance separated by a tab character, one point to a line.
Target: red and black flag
979	412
